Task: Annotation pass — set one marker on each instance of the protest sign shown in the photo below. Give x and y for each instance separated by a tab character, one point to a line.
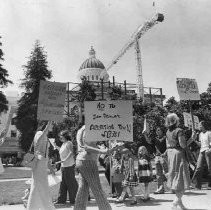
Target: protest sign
52	141
109	120
188	120
51	101
187	89
146	126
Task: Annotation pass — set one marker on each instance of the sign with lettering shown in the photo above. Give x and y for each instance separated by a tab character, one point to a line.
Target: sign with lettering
109	120
188	120
51	101
188	89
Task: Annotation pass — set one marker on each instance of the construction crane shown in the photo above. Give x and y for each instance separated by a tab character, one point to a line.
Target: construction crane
134	41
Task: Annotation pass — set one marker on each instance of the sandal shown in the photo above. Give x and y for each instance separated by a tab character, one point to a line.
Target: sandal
133	202
159	192
145	199
119	200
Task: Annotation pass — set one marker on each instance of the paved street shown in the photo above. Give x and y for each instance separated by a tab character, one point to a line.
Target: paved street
194	200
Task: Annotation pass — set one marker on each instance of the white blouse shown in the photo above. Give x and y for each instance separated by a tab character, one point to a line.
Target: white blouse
65	151
205	139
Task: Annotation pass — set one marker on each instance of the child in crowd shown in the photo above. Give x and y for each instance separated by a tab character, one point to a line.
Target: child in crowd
130	178
117	173
144	170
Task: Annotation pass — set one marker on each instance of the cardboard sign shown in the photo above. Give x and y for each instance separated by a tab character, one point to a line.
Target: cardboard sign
187	89
109	120
146	126
51	101
188	120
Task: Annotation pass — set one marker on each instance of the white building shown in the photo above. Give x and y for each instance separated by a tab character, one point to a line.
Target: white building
7	121
93	69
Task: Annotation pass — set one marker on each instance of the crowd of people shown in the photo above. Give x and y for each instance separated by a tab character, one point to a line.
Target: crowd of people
11	160
171	166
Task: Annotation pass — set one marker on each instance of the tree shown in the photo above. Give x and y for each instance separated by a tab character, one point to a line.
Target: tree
209	88
204	106
86	91
155	116
201	108
115	93
3	83
35	70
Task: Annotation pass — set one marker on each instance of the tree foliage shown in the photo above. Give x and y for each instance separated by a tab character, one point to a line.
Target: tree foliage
35	70
4	81
115	93
3	102
86	91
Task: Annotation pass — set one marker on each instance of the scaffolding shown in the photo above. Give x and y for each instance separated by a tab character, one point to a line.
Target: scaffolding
102	89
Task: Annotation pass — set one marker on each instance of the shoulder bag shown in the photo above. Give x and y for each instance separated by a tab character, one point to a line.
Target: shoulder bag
29	158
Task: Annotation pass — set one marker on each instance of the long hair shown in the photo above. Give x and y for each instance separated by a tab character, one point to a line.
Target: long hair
142	150
162	128
126	152
82	121
204	124
172	120
41	125
66	135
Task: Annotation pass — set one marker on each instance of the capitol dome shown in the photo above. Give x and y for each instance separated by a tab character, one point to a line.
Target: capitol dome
93	69
92	61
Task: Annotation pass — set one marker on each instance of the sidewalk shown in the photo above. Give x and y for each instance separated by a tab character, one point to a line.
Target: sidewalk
194	200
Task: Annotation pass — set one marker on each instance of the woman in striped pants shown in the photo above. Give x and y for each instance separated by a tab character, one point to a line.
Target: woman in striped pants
86	163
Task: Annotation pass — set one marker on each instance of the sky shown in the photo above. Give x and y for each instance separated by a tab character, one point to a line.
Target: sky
177	47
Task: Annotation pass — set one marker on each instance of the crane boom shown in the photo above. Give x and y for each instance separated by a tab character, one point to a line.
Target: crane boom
137	35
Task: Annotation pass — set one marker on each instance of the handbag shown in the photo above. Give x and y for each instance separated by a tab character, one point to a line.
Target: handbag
29	158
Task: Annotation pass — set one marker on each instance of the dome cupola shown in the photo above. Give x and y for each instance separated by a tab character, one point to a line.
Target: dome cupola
92	61
93	69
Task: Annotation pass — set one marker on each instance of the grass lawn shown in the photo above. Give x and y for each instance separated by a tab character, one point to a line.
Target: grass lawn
12	191
15	173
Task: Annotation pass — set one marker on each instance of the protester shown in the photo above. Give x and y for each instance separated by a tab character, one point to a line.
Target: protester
178	175
144	170
161	166
86	163
147	141
130	178
39	197
204	155
117	174
68	183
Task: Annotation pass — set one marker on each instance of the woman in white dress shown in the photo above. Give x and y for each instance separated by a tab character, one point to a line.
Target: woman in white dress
40	198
